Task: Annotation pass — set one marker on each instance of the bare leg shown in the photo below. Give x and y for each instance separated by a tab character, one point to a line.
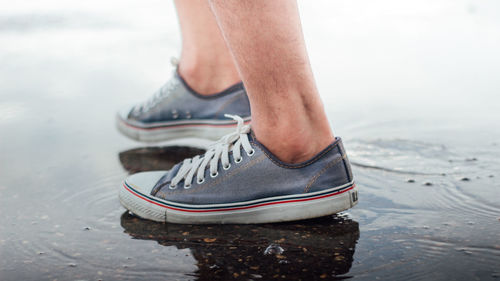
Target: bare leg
265	37
205	62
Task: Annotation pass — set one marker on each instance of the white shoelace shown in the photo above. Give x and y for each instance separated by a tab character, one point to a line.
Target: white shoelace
162	93
218	151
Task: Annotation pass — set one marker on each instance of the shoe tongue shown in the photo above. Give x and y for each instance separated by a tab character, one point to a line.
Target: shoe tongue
171	174
251	136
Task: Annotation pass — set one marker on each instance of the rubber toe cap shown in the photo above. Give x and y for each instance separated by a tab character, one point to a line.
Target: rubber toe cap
145	181
124	112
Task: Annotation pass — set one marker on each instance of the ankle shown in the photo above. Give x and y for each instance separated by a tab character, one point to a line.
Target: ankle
208	77
294	142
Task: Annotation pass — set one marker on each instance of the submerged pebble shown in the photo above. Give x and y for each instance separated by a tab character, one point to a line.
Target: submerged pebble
213	266
273	249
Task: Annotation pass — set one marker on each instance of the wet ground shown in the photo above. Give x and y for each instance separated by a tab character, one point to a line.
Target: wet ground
413	88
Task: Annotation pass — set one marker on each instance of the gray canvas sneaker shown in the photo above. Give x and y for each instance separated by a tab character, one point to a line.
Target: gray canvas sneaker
177	111
239	181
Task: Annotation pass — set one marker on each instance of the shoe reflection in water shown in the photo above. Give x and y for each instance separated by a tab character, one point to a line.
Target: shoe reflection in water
307	250
155	158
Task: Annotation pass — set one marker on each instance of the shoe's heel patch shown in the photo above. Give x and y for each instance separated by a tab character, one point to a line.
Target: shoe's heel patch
332	174
354	196
347	164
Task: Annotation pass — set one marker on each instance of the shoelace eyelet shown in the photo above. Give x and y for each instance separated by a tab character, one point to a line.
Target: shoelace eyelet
252	152
175	114
187	186
170	186
219	151
200	181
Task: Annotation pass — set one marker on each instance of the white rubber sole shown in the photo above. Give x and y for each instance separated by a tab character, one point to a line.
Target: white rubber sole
204	129
267	210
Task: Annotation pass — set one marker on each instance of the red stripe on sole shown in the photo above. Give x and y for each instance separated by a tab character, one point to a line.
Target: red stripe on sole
238	208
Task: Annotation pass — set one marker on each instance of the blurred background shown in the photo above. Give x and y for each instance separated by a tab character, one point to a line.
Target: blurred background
412	87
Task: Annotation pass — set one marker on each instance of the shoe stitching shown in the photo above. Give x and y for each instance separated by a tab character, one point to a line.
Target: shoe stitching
164	123
216	182
316	158
346	163
328	166
236	171
225	92
236	97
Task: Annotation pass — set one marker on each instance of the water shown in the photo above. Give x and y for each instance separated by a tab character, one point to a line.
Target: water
411	87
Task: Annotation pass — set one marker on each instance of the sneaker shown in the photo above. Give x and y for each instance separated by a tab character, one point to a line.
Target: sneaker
177	111
238	180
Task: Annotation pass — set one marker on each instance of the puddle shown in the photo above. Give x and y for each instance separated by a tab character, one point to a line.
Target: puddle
418	116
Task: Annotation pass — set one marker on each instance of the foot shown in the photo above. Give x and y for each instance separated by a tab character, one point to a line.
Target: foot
177	111
238	180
